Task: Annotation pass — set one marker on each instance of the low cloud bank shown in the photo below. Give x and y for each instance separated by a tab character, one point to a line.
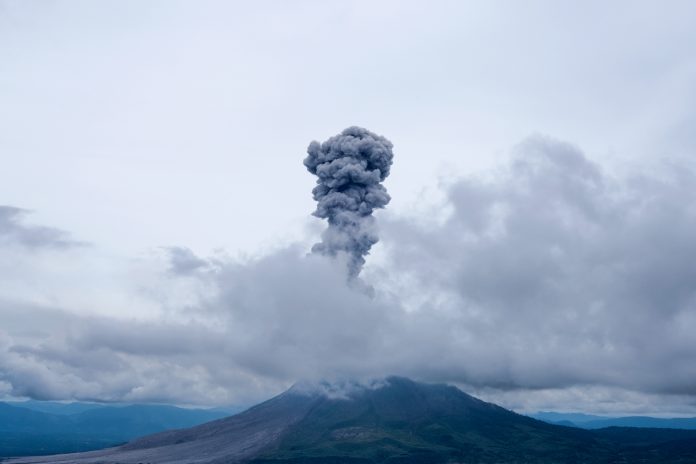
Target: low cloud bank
548	277
15	231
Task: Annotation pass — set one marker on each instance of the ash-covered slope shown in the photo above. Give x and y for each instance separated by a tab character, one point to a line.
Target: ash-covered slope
232	439
399	421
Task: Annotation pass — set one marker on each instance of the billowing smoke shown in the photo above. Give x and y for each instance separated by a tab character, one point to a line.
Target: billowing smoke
350	168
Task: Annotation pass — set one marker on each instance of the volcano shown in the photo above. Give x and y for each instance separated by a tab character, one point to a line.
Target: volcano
396	421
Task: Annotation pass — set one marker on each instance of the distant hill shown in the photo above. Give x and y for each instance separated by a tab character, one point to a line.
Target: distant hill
587	421
82	427
55	407
397	422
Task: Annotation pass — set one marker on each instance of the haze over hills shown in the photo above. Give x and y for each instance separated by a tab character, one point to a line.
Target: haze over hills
397	421
26	430
588	421
56	407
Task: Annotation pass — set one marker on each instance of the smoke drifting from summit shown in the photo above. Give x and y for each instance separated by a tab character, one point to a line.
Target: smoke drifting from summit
350	168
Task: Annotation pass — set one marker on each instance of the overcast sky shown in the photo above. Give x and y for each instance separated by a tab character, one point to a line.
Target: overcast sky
538	249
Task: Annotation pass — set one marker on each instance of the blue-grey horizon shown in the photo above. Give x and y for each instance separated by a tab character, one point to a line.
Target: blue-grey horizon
350	168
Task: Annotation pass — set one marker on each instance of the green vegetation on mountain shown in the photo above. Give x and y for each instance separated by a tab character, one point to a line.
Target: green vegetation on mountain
408	422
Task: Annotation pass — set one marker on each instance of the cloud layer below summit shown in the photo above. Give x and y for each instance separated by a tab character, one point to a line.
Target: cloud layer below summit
548	276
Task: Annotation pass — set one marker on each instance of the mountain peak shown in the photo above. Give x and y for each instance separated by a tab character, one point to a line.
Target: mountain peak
338	388
355	389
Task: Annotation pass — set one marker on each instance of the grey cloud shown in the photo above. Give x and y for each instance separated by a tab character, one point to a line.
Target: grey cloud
183	262
13	230
274	320
550	279
573	276
350	168
108	359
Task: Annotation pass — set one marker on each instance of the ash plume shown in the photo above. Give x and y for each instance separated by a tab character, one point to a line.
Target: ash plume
350	168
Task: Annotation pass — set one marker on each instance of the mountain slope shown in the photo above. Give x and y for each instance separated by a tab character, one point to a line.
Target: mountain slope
400	421
232	439
412	422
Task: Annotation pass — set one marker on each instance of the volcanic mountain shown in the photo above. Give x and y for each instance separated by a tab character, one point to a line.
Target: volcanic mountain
395	421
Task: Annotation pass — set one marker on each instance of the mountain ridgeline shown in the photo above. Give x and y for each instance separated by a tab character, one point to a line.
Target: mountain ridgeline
397	422
587	421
